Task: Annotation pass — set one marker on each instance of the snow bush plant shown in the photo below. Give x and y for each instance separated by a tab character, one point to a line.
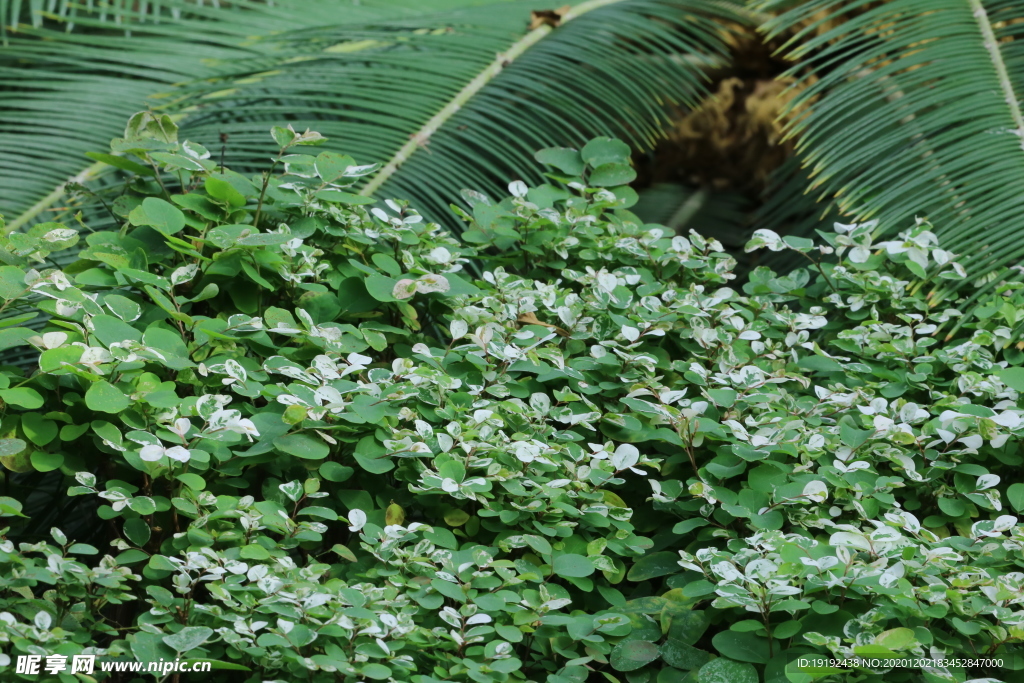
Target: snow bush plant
330	442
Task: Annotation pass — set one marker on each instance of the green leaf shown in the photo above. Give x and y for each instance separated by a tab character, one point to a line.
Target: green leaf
605	150
282	136
72	432
456	517
17	336
188	638
344	552
687	625
1015	496
538	543
968	628
144	505
161	563
442	537
23	397
149	647
331	166
452	469
896	638
823	607
853	437
387	264
9	447
380	287
377	672
111	330
1012	377
683	656
801	244
319	512
123	307
786	629
686	526
12	282
611	174
9	507
449	590
566	160
332	471
371	456
954	507
654	565
224	192
191	480
162	216
263	239
819	363
38	429
303	446
83	549
254	551
131	556
572	565
769	521
339	197
104	397
46	462
137	531
630	655
121	163
744	647
723	397
724	670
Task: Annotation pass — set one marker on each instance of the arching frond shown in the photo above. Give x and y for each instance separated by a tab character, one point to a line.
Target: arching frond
912	109
447	99
440	99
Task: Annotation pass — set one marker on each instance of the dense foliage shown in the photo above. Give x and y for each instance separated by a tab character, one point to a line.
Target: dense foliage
332	442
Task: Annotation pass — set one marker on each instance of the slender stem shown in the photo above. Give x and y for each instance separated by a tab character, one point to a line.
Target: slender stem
821	270
422	136
156	174
263	190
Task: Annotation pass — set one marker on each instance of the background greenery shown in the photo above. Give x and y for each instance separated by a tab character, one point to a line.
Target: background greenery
764	118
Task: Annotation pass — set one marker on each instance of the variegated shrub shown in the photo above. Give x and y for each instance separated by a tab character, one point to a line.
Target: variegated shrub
320	441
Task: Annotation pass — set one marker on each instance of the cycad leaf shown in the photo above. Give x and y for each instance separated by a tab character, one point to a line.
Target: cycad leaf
430	99
68	93
370	77
914	112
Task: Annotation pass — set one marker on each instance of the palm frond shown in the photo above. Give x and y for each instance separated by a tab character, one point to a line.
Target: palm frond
912	109
69	93
370	77
430	99
128	15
